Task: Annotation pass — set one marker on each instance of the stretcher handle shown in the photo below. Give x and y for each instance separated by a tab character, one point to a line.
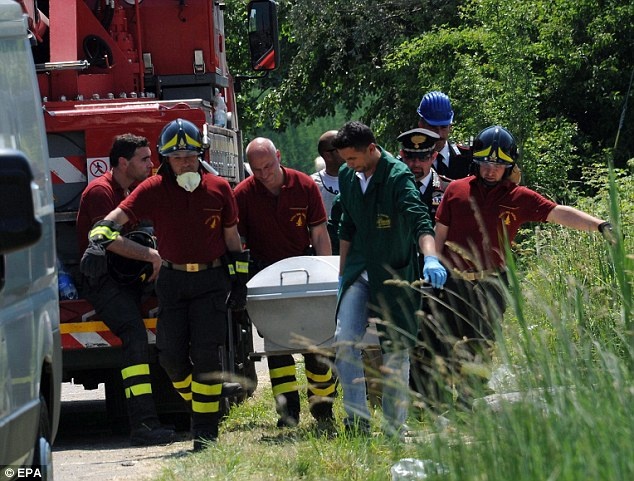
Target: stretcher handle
293	270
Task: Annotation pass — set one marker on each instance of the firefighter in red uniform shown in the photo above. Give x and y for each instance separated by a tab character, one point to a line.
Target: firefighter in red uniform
195	219
281	216
477	217
116	304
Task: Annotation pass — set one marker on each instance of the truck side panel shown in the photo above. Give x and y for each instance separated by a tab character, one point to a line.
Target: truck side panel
30	349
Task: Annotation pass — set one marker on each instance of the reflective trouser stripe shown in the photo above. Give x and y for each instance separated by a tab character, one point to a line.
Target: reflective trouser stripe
207	389
282	371
138	390
315	391
184	388
209	407
283	379
206	397
136	380
284	388
137	370
319	377
185	383
320	384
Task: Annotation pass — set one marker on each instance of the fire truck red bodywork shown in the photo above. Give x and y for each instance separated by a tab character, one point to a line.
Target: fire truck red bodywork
107	67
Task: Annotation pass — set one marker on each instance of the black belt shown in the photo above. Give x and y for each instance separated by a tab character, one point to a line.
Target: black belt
192	267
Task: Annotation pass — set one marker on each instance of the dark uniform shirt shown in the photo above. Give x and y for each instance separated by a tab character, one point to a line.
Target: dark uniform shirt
189	226
277	226
100	197
459	162
502	209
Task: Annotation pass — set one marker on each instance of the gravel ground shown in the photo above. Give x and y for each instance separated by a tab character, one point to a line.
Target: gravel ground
91	452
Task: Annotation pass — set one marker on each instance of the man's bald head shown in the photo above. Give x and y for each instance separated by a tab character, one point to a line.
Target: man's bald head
264	159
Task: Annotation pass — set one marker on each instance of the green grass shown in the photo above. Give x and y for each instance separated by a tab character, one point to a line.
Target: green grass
567	344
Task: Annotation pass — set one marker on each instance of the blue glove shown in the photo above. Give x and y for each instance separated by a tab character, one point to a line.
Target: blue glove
434	272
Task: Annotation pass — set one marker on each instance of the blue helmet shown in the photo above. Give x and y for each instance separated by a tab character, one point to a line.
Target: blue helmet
435	109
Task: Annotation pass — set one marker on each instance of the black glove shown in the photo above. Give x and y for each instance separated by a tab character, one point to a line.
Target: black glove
238	297
93	262
239	271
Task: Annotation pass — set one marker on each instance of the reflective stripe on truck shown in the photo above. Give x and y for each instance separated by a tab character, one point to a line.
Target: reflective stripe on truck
81	335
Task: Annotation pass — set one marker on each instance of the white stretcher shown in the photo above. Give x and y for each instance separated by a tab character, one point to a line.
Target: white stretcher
292	304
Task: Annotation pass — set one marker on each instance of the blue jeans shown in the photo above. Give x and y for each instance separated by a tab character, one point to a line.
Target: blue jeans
352	321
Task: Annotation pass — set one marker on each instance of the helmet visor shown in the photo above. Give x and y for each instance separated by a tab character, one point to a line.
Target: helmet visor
489	163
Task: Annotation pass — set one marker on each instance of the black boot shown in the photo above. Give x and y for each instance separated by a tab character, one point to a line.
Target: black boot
145	427
204	436
287	406
231	389
151	433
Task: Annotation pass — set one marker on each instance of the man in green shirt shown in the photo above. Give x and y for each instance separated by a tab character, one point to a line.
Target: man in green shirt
383	221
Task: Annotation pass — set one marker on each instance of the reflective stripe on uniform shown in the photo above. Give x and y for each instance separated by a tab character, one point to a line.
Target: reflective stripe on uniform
103	231
185	383
138	390
137	370
184	388
327	391
282	371
284	388
205	407
206	389
319	377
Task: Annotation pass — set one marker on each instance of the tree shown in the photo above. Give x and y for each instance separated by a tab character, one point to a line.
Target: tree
555	72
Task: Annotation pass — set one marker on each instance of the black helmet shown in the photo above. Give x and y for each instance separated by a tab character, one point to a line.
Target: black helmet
178	135
495	144
126	271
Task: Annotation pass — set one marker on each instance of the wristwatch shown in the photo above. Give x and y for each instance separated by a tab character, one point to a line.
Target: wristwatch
603	226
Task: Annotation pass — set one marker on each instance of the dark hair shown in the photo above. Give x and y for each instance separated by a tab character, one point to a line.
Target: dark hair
354	134
125	145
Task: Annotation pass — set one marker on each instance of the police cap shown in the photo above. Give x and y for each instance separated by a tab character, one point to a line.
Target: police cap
418	140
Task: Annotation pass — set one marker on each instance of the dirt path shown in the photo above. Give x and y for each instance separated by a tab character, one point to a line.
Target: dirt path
91	452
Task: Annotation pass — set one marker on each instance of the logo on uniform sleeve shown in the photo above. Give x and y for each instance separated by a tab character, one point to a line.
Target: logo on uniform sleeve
299	216
383	221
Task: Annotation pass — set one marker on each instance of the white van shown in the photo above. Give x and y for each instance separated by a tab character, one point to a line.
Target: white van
30	350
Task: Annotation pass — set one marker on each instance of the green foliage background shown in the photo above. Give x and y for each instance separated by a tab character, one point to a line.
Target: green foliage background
554	72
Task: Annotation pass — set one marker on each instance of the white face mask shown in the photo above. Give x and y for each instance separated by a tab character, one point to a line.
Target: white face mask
188	181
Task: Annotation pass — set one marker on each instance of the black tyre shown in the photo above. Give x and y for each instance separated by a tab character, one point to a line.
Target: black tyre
42	453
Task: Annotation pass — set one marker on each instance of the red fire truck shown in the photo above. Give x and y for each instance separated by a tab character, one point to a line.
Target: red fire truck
107	67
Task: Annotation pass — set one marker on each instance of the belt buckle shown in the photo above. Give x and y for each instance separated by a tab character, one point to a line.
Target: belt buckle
191	267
